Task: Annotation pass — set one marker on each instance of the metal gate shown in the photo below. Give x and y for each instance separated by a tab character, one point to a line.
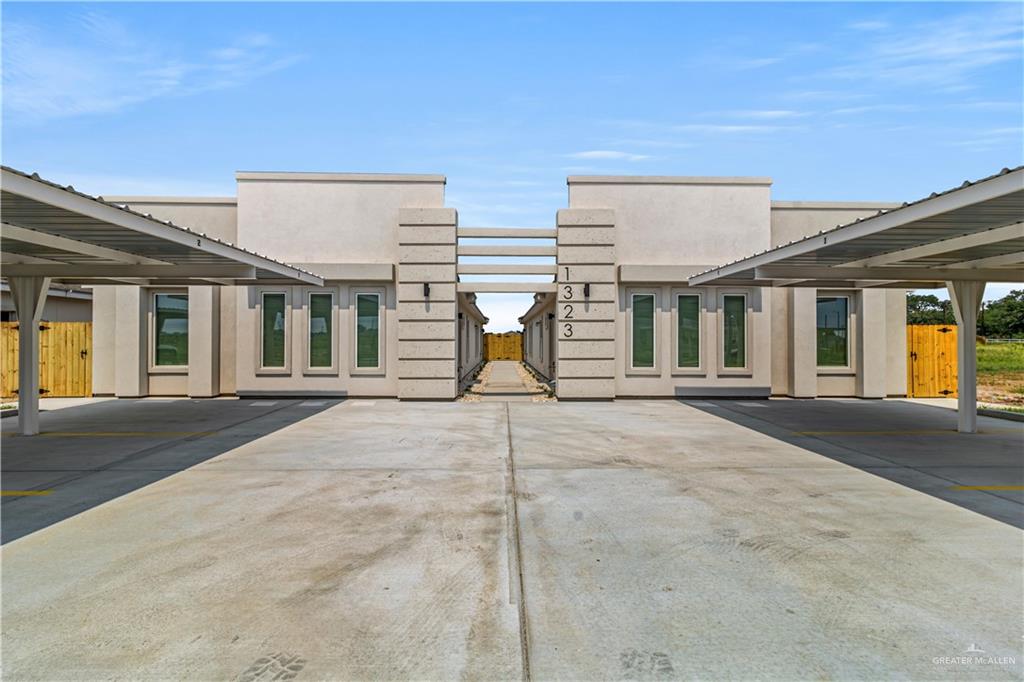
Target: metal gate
931	361
65	359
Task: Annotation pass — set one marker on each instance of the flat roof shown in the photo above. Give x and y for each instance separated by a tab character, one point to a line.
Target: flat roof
300	176
665	180
55	231
974	231
129	199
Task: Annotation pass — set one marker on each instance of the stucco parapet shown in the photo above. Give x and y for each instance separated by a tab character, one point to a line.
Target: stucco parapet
363	272
586	217
665	180
123	199
428	216
660	273
287	176
853	205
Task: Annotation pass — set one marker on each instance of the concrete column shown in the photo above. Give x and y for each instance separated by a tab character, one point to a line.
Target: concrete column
203	341
29	294
803	342
871	344
966	298
427	364
104	314
585	325
131	369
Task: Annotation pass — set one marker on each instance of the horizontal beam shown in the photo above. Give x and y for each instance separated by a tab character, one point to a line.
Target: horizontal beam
508	232
475	269
118	271
992	261
52	241
967	241
516	250
907	274
505	287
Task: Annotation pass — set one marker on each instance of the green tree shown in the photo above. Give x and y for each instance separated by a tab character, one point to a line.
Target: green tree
928	309
1005	318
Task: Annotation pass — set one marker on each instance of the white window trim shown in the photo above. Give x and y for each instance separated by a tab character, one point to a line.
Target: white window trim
380	293
308	367
274	371
828	370
151	325
701	368
631	295
722	369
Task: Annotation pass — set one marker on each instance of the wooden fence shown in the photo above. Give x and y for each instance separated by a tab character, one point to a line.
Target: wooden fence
507	346
65	359
931	361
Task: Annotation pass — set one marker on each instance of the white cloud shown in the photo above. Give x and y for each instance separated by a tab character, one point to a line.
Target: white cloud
607	155
504	310
110	67
870	25
768	114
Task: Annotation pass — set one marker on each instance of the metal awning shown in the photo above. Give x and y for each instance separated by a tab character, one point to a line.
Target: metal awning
972	232
52	231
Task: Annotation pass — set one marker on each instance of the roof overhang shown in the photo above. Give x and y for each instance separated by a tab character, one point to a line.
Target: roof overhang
52	231
973	232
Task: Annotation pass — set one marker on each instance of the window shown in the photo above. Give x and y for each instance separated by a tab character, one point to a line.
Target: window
734	331
688	331
833	326
367	331
321	331
170	330
643	331
272	337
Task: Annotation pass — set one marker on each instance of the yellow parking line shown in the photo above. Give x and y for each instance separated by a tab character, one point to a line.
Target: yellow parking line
988	487
23	493
118	434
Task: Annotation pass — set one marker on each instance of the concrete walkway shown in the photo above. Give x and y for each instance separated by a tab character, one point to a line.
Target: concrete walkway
505	385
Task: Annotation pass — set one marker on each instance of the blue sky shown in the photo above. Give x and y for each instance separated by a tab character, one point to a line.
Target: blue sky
866	101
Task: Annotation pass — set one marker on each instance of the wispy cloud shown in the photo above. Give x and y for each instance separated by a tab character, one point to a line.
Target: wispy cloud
989	139
607	155
942	54
768	114
111	67
869	25
876	108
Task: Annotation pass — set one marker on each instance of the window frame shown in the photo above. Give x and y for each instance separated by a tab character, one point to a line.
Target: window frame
848	368
701	368
746	369
261	369
655	368
308	351
381	294
154	368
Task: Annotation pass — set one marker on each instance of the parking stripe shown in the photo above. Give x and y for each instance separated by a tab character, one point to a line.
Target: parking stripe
23	493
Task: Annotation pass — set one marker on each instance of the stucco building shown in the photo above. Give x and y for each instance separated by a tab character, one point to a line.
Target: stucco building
397	318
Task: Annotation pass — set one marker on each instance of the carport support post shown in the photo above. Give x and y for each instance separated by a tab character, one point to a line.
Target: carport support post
966	297
29	295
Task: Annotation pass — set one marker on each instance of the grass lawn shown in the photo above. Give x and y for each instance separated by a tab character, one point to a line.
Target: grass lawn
1001	374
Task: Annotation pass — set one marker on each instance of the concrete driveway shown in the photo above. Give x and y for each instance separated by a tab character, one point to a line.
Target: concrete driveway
627	540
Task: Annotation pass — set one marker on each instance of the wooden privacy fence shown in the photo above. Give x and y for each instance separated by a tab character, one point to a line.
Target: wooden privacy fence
931	361
65	359
507	346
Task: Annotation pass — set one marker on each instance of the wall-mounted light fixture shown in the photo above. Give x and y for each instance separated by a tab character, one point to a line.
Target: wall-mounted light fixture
551	316
586	290
426	290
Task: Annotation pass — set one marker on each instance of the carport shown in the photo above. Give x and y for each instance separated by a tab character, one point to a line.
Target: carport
52	233
960	238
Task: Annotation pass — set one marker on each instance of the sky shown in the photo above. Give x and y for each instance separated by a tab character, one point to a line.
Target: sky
833	101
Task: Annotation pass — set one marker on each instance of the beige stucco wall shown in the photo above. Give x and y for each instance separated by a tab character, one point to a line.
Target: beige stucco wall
57	308
539	331
470	335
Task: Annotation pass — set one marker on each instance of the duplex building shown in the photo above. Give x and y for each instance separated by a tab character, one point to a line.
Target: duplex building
396	317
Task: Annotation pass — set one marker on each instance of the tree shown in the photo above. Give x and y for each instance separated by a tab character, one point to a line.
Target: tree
928	309
1005	318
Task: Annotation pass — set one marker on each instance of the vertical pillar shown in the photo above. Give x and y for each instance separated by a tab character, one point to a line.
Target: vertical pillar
803	340
203	341
427	348
29	295
871	344
131	367
966	298
585	325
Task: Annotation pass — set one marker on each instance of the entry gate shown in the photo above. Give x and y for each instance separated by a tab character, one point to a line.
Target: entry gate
931	361
507	346
65	359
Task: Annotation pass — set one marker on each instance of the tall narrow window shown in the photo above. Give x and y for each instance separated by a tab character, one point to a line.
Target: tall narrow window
688	331
833	336
321	343
367	330
643	331
273	330
734	330
170	330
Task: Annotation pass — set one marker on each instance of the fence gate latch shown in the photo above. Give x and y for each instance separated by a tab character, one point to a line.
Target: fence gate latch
945	330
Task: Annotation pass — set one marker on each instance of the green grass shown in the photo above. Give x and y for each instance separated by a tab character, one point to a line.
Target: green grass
1004	408
1000	357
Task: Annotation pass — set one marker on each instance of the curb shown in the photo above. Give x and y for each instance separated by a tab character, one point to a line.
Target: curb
1001	414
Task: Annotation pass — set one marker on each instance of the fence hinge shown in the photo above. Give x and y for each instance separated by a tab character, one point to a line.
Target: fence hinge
945	330
945	391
